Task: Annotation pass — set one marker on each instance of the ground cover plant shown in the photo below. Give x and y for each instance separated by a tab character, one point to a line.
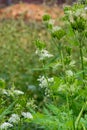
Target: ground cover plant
59	78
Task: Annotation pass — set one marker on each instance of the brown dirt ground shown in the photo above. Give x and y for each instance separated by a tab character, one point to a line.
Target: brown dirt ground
30	11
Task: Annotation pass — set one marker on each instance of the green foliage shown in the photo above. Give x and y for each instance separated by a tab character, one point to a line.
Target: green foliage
46	17
58	33
54	118
2	83
17	52
40	45
56	93
68	92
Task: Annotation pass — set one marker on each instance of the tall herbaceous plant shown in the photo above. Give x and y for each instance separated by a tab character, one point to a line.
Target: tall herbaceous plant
65	89
62	82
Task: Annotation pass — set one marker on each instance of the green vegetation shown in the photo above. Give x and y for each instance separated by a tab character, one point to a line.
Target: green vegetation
43	73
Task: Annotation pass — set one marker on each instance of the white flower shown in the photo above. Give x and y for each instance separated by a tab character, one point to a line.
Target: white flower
69	73
85	8
78	12
5	125
14	118
71	19
18	92
72	63
50	80
84	15
56	28
4	91
51	21
27	115
61	87
85	59
43	54
44	81
81	12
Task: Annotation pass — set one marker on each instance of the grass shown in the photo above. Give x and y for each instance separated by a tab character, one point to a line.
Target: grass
17	51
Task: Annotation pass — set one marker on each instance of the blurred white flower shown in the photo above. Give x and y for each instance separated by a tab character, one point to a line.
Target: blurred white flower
31	103
18	92
69	73
27	115
71	19
72	63
51	21
5	126
62	87
79	12
43	54
44	81
50	80
85	8
56	28
4	91
85	59
14	118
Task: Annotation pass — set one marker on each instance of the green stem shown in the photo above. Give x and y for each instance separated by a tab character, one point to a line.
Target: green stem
67	101
61	56
81	58
79	116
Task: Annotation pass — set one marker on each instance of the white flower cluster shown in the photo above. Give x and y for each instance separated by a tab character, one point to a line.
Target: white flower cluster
14	118
5	126
51	22
11	92
56	28
43	54
73	88
44	81
4	91
78	13
27	115
18	92
69	73
85	8
31	103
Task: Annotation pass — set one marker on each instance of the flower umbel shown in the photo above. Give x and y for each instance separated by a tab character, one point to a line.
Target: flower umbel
44	81
69	73
18	92
43	54
14	118
27	115
5	126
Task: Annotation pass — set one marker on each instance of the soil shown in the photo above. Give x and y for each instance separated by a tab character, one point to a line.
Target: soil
30	11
